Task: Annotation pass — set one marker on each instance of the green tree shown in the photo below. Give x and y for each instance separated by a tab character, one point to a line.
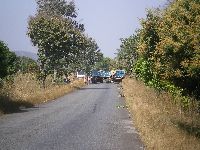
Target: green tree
148	39
26	65
56	35
62	44
178	53
7	60
90	55
104	64
127	54
168	53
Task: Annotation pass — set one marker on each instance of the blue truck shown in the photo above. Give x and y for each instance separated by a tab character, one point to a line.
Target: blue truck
96	76
119	75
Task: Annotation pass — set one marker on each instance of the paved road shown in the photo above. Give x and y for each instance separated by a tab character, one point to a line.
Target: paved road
87	119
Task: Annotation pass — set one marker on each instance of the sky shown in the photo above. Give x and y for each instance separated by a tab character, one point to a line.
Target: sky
106	21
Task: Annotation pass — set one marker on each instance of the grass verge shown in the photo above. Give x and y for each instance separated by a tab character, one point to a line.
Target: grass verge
161	123
25	91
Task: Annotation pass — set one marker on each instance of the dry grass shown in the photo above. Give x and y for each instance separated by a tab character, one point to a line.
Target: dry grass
26	91
161	124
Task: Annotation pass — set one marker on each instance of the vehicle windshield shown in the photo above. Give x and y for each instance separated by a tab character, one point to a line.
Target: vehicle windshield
120	72
95	73
107	73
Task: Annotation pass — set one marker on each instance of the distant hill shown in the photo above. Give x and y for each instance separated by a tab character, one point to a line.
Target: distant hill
27	54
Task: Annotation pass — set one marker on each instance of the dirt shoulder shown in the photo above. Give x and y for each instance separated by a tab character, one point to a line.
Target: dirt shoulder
160	124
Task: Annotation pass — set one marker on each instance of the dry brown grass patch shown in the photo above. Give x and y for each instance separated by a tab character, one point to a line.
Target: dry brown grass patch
158	119
26	90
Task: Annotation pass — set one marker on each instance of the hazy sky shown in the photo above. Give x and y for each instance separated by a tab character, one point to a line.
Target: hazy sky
105	20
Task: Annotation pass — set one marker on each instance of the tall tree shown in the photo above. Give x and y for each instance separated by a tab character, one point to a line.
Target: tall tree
60	39
179	51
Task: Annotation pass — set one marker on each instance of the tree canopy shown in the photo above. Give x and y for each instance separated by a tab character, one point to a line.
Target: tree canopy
61	41
166	48
7	60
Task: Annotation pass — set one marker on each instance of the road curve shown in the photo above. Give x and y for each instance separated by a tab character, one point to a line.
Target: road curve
87	119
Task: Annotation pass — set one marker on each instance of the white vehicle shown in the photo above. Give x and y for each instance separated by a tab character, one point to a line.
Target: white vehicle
80	74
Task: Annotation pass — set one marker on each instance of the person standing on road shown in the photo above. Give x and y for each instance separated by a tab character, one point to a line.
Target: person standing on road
89	79
85	79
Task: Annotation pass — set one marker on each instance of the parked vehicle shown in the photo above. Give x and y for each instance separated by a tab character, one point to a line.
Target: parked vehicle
107	76
80	74
119	75
96	76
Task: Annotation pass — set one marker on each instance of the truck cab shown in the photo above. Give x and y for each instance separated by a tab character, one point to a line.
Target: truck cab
96	76
119	75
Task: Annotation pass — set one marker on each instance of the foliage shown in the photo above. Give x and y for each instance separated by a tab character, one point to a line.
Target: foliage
127	54
104	64
26	65
142	70
57	8
7	61
62	44
178	51
89	56
147	40
167	49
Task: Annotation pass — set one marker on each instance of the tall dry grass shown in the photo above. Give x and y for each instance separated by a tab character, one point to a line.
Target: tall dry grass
161	123
25	90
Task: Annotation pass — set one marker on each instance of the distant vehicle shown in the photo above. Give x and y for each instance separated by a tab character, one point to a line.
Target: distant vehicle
80	74
96	76
119	75
106	74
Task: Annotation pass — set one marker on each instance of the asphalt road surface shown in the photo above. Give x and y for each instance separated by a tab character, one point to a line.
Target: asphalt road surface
92	118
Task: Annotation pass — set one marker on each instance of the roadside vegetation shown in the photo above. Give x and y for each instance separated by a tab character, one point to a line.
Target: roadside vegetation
163	55
63	48
161	123
24	91
20	85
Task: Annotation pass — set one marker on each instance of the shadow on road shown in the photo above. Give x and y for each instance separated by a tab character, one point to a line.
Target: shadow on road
93	88
8	106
